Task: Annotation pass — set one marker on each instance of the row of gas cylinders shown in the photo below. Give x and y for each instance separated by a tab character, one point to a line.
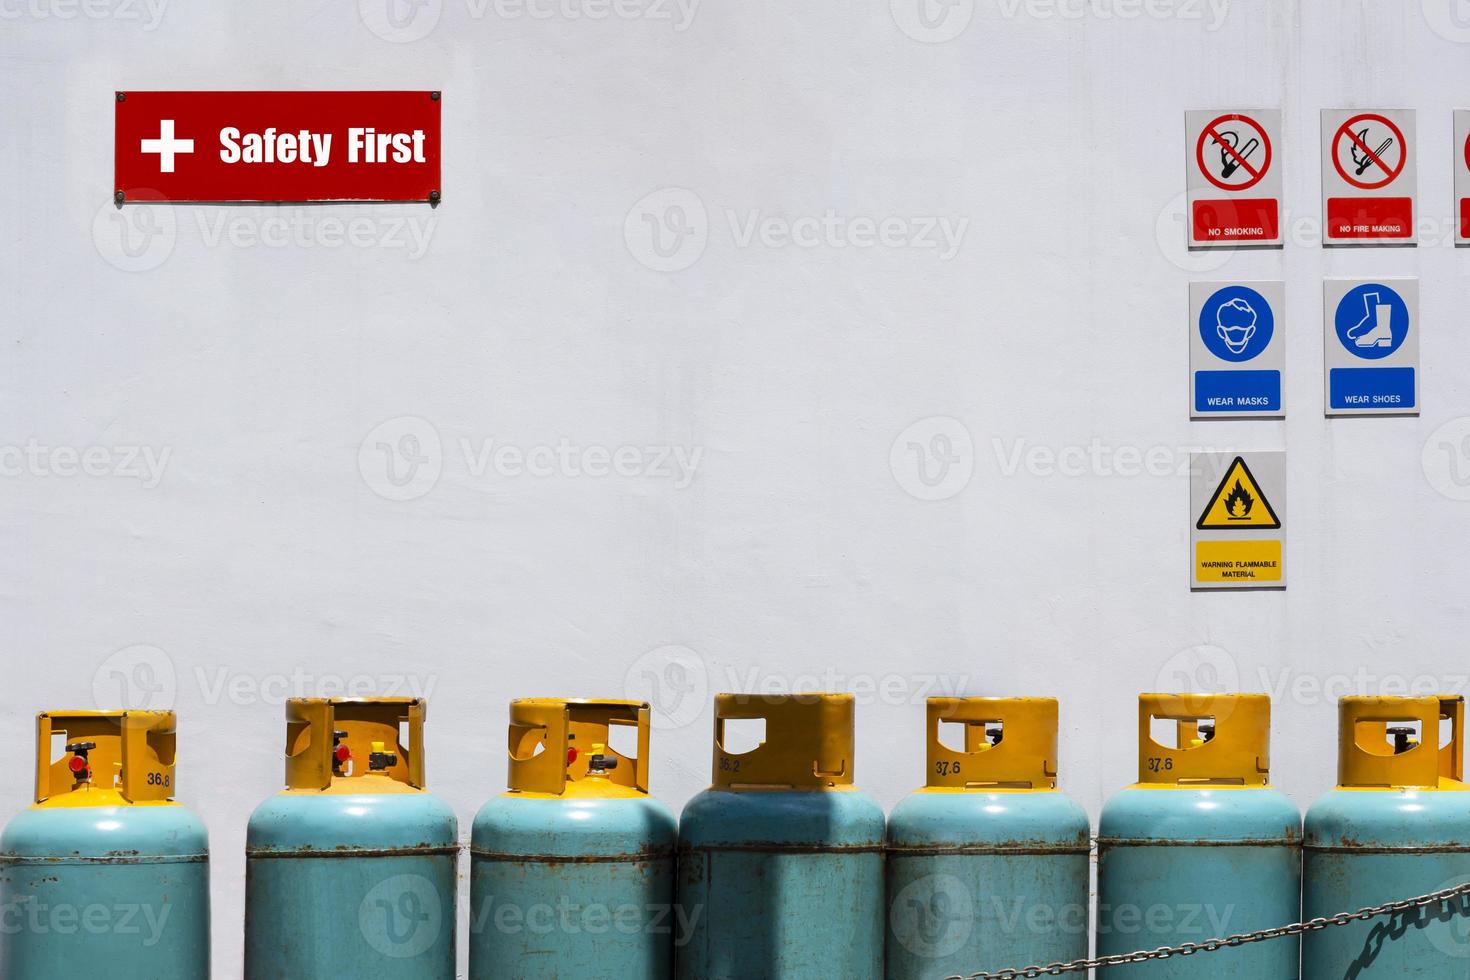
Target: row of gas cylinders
782	869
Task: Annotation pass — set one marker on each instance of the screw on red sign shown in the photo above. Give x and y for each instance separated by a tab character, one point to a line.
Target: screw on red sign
1233	152
276	147
1369	151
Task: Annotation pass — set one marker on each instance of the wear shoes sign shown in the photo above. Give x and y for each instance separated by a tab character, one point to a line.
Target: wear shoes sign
1371	344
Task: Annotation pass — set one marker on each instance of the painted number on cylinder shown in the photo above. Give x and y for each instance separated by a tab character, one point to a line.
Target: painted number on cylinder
158	779
728	764
1156	764
947	768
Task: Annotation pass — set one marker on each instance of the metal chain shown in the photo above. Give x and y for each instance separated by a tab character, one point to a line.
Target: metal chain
1211	945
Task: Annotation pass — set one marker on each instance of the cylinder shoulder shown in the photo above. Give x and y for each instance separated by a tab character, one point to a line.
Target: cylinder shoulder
1408	818
1205	814
585	826
311	821
139	830
848	818
978	817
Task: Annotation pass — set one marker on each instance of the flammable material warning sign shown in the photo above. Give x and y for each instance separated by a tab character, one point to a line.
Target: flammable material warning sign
1237	520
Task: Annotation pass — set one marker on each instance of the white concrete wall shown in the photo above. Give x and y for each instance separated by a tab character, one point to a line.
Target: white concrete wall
530	309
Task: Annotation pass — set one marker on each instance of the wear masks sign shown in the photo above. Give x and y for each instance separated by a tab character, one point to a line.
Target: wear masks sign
1237	341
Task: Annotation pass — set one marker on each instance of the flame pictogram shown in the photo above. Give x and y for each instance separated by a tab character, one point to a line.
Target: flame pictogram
1239	498
1239	503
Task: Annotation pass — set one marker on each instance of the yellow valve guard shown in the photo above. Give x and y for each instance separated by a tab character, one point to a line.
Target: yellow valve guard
133	761
1025	758
312	722
542	730
808	742
1239	754
1365	760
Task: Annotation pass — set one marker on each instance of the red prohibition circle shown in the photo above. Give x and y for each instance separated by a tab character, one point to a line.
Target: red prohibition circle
1209	130
1346	130
1467	152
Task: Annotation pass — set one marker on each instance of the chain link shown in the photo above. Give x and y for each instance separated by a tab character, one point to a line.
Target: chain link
1211	945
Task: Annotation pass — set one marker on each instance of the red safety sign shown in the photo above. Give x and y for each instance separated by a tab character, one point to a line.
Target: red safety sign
1368	185
1462	177
276	146
1465	201
1234	192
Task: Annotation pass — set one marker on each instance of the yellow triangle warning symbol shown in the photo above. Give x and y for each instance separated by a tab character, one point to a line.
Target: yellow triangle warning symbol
1238	503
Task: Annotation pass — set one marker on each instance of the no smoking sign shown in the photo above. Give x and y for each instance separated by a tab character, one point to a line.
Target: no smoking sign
1233	177
1368	177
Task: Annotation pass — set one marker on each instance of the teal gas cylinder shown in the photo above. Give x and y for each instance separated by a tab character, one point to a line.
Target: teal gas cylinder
572	870
988	865
105	876
1397	826
1201	847
781	860
350	871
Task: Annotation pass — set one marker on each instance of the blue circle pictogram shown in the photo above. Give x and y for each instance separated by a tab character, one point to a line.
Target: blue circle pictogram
1372	321
1236	323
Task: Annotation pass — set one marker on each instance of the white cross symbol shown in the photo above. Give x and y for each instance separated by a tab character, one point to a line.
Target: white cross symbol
166	146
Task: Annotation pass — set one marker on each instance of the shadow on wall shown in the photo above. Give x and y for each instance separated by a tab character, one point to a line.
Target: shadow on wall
1456	910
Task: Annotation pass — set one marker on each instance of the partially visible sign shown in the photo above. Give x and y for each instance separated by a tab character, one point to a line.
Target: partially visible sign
1238	527
1462	177
1369	177
276	146
1372	346
1233	177
1236	349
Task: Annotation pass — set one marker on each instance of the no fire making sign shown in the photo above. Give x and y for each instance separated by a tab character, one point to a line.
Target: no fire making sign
1237	506
1369	179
